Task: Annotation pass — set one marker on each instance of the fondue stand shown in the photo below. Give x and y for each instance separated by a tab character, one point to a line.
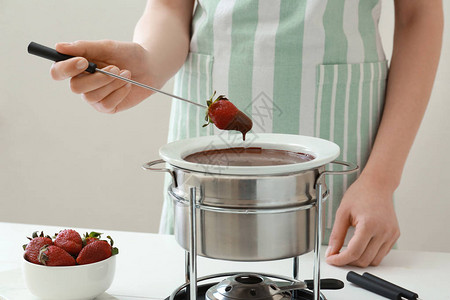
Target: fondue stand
191	195
248	278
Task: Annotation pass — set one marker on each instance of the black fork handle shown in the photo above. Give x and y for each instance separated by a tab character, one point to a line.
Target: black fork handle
52	54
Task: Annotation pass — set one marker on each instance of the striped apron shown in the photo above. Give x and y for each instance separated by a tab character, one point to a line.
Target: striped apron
309	67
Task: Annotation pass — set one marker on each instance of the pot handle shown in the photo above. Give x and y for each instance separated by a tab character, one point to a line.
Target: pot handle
149	166
352	168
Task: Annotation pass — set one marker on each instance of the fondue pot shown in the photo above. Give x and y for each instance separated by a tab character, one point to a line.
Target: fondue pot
248	212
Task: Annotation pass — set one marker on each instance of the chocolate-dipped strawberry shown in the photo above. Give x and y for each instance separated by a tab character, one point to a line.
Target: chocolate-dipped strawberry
225	115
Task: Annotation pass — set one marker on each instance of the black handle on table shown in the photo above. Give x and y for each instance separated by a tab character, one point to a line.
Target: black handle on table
52	54
404	292
326	284
374	287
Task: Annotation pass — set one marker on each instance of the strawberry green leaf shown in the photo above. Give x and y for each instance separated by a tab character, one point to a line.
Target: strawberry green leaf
114	250
94	234
110	240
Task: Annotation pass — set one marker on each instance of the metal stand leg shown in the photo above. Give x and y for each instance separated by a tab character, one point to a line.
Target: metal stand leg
296	267
187	266
192	258
296	273
318	242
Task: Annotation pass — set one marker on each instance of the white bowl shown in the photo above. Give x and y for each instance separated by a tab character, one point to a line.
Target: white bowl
69	283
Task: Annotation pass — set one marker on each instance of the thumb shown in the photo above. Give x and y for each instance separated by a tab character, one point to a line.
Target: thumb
337	237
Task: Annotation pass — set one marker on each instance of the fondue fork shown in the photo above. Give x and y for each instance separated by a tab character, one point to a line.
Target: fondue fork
381	287
52	54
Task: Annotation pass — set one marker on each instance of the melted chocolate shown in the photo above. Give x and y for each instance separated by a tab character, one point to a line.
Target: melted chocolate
240	123
251	156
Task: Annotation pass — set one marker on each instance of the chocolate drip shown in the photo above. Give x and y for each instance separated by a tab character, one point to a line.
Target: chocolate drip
240	123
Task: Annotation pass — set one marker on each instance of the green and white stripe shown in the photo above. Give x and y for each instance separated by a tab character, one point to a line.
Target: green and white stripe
264	61
313	37
312	67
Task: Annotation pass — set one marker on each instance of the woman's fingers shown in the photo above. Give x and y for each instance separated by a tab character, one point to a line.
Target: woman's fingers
355	249
368	246
385	248
110	103
340	228
103	92
369	253
97	51
85	83
99	94
68	68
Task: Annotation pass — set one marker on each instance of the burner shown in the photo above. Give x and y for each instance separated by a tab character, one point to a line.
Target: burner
204	289
249	286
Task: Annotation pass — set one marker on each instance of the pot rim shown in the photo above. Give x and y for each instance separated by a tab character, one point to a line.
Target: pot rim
323	151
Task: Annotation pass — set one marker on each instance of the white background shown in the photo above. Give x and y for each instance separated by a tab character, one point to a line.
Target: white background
62	163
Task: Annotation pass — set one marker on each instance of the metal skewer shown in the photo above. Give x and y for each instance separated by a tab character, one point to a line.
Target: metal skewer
148	87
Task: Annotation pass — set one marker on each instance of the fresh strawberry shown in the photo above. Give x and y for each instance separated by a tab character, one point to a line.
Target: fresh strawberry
69	240
34	246
55	256
91	237
225	115
96	251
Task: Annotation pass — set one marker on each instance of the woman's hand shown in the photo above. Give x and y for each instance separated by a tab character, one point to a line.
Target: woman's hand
160	47
369	208
104	93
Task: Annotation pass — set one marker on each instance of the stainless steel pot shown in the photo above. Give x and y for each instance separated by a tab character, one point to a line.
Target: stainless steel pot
247	217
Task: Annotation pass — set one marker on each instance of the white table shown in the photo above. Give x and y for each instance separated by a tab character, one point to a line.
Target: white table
151	266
